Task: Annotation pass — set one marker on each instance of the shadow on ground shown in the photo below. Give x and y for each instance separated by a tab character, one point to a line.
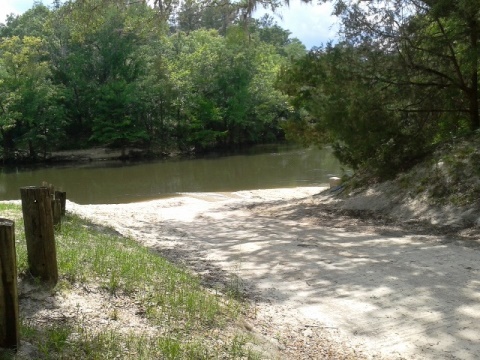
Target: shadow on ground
403	291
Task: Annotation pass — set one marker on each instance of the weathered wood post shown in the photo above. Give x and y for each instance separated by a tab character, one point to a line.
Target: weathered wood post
9	323
62	195
56	204
335	181
56	213
39	234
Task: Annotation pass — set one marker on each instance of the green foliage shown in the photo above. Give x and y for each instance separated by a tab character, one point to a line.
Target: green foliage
109	73
30	23
224	89
30	111
270	33
217	15
403	80
353	111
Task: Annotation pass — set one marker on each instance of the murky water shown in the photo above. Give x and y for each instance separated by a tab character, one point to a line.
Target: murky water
107	183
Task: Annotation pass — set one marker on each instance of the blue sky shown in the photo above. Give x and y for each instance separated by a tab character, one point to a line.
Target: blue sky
312	24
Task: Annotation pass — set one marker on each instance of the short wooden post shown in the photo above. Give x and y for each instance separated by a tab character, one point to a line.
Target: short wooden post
62	195
9	323
335	181
39	234
56	213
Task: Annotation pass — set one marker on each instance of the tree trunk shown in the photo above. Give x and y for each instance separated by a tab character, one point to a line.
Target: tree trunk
474	108
7	144
31	149
474	116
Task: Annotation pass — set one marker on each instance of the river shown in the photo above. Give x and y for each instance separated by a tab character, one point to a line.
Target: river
119	182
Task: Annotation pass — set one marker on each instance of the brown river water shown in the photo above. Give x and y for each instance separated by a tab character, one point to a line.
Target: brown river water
119	182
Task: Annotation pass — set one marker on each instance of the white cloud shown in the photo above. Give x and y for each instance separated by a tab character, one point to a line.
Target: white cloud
311	23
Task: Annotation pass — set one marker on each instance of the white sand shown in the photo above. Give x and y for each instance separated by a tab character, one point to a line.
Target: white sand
392	294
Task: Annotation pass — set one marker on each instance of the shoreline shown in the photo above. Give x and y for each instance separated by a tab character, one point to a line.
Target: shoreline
95	154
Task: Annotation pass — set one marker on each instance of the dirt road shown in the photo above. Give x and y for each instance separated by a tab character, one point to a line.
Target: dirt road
382	291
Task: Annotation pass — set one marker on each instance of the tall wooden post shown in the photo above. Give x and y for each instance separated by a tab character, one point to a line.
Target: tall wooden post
9	323
62	195
39	234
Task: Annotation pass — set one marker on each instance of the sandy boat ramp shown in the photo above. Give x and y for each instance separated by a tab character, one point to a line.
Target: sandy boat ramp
318	281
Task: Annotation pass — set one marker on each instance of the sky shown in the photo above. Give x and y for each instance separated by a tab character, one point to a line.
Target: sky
312	24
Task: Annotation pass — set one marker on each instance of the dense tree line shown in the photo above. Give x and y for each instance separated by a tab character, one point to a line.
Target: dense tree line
188	77
201	74
402	79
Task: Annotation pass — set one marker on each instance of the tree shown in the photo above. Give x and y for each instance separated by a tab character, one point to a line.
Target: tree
99	59
30	111
346	105
224	89
437	43
271	33
30	23
115	73
115	70
404	78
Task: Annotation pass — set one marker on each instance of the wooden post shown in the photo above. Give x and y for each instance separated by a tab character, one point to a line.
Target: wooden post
38	220
56	213
62	195
9	323
335	181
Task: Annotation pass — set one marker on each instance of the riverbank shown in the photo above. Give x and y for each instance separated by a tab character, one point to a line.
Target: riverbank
103	154
92	154
324	277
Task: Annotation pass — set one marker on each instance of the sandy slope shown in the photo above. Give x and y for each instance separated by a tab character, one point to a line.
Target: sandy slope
321	278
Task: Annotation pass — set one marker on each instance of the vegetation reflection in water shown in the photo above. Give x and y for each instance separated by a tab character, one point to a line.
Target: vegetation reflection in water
123	182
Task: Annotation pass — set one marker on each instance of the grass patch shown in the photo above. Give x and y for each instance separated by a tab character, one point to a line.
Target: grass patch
121	265
8	207
188	317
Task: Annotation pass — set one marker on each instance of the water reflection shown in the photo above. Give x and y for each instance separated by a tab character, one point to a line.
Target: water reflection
122	183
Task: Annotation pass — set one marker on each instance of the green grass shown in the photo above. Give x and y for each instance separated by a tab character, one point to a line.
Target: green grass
121	265
172	299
